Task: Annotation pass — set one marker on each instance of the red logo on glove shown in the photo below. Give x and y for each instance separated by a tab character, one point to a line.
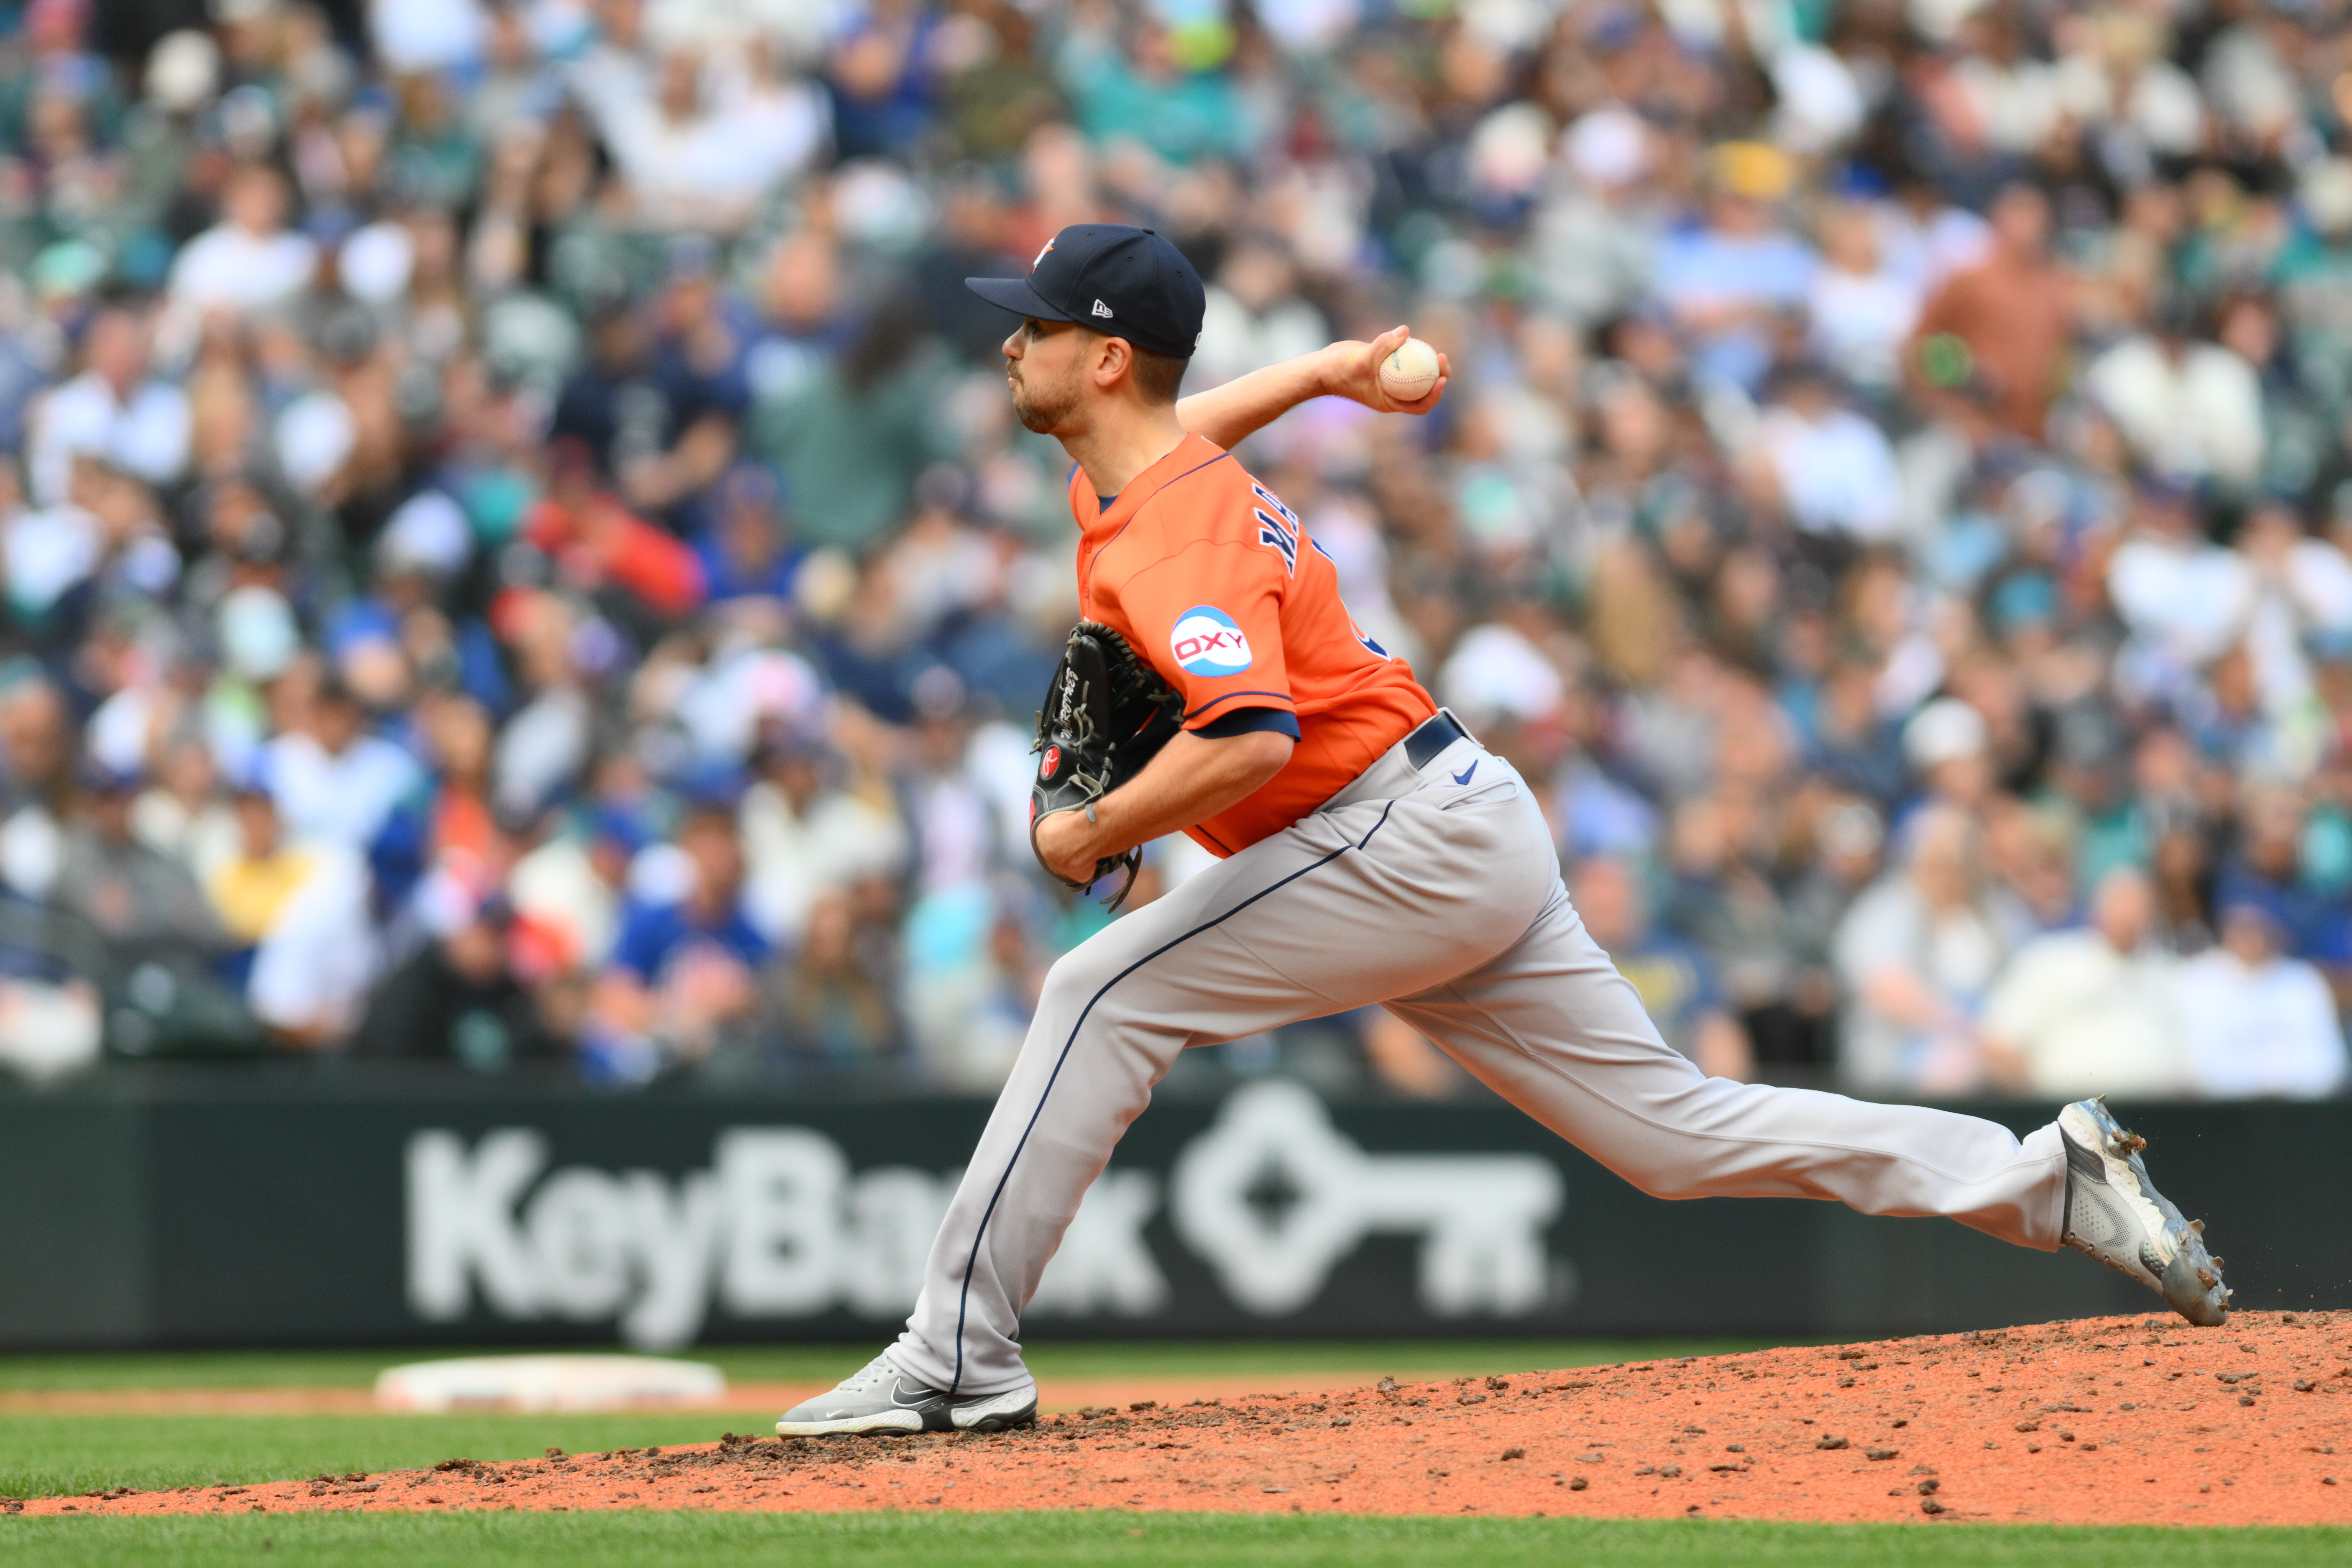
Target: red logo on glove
1052	764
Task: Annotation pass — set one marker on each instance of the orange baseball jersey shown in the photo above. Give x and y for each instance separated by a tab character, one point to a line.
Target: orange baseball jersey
1213	581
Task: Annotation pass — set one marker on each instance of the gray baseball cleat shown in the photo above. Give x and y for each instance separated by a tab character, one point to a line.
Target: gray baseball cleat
882	1398
2114	1214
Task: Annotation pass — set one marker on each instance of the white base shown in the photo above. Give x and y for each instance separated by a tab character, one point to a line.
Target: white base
548	1383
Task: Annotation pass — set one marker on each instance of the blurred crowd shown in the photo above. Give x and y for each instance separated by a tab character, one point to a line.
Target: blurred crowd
516	550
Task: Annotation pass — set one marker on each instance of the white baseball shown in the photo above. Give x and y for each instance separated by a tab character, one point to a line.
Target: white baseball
1409	372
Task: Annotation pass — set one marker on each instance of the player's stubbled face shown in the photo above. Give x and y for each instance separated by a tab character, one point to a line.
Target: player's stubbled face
1041	366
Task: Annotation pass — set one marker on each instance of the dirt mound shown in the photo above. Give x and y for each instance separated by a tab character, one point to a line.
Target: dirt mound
2104	1421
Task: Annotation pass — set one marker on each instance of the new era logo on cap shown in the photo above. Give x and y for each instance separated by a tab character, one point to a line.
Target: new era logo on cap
1110	272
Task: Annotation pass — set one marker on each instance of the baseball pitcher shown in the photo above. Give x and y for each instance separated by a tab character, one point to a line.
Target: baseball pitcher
1371	851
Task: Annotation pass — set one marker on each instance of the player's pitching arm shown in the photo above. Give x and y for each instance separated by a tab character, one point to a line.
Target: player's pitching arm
1193	778
1230	414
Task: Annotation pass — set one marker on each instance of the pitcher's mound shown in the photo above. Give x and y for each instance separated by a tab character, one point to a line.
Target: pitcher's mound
2106	1421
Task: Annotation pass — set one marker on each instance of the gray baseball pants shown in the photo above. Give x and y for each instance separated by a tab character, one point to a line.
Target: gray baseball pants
1436	891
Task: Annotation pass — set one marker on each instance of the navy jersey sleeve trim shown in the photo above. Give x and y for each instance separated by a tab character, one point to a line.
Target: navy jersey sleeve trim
1247	721
1196	469
1228	697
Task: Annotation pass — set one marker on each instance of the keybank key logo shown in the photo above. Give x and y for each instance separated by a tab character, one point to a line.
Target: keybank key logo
1206	642
1480	1218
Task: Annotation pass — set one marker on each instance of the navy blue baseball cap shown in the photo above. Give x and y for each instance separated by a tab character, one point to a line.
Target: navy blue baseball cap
1124	282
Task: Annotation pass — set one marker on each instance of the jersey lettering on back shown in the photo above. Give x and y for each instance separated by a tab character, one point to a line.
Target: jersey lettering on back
1280	529
1201	568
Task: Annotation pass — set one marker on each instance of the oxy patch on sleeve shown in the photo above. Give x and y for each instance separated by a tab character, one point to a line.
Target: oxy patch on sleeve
1209	643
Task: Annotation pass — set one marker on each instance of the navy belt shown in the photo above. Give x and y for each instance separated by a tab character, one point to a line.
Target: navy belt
1428	742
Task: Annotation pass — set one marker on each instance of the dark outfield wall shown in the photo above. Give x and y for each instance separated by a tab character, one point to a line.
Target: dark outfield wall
195	1211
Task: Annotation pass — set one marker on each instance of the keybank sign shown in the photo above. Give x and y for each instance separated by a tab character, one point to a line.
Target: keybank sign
1271	1196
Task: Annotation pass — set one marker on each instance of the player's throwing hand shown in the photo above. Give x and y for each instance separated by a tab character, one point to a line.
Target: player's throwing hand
1354	371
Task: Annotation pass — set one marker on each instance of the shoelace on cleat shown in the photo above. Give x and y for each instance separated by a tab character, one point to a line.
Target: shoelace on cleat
871	1374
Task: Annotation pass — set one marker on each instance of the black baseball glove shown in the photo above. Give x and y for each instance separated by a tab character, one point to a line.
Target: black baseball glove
1107	714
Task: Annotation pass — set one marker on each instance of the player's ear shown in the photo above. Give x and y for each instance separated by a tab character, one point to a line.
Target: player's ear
1114	359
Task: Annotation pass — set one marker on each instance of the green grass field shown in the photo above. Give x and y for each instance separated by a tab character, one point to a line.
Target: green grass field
1126	1541
45	1454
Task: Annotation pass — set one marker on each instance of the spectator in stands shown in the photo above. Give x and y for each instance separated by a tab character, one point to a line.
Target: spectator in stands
160	931
115	409
1948	746
1673	978
253	888
854	433
1722	903
570	884
2267	872
2191	409
2031	852
183	813
1845	837
747	551
457	820
2092	1011
1827	467
456	998
1917	954
1987	352
1853	745
2259	1024
35	760
975	974
250	261
1733	280
332	780
686	965
2184	598
828	1006
145	903
694	164
634	570
663	396
301	944
1862	307
806	832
